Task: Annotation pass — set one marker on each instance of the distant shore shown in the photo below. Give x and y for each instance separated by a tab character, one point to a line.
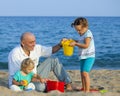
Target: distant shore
107	79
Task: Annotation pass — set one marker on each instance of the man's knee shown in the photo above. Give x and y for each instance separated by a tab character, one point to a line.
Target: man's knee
53	60
40	86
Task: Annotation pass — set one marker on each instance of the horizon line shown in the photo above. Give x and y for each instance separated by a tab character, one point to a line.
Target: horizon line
54	16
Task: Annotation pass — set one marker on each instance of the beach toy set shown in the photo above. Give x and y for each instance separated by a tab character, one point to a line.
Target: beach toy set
100	89
25	82
28	87
55	85
67	49
103	91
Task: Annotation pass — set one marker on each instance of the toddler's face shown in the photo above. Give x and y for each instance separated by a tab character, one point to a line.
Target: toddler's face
28	70
81	30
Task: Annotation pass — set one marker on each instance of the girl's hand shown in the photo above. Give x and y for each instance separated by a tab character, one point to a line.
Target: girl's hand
21	83
73	43
63	40
43	80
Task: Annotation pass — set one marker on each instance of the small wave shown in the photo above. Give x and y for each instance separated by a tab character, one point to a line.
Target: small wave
3	65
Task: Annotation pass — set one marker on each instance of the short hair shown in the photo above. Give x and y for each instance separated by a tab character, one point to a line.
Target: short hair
25	33
80	21
27	63
22	36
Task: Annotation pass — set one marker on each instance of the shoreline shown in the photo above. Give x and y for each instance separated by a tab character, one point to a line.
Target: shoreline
109	79
67	69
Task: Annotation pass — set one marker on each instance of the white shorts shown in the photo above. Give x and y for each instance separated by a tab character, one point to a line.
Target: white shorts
29	87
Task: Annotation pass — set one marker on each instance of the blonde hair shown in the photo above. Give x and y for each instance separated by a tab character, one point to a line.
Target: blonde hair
27	63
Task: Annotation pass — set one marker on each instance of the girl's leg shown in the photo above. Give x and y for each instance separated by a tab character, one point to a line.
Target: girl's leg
82	75
86	68
15	88
83	81
40	86
86	81
30	86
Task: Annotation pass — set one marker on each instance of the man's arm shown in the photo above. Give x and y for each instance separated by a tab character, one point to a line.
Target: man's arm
56	48
13	64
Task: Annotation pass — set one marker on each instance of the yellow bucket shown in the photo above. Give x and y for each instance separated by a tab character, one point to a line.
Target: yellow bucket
67	49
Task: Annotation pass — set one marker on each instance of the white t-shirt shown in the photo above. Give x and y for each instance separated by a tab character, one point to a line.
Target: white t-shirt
17	55
90	51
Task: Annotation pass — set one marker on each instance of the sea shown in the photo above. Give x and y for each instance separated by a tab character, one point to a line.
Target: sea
50	30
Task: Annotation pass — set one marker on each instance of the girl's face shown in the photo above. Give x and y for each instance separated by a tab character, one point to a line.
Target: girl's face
28	70
80	29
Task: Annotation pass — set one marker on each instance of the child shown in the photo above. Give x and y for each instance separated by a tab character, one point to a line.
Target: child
22	79
86	50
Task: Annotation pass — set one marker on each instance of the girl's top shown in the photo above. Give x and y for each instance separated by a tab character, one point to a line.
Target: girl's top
19	77
90	51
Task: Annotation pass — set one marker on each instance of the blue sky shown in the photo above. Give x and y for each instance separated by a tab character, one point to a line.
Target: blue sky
59	7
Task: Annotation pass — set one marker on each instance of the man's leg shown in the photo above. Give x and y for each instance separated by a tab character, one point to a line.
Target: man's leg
53	64
40	86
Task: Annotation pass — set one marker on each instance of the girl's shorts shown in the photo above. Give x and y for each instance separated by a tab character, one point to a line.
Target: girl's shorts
86	64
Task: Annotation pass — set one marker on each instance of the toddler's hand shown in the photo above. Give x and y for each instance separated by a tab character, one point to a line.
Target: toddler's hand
42	80
23	82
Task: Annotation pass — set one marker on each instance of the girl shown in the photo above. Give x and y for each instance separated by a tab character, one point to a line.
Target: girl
22	79
86	50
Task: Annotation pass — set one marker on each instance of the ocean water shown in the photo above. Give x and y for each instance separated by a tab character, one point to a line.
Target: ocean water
50	30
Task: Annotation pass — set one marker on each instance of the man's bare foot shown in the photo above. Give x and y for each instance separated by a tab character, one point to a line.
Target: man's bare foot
69	87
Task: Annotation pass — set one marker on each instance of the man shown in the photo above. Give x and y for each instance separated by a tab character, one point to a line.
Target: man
29	49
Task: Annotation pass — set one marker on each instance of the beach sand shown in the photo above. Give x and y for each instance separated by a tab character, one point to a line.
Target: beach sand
107	79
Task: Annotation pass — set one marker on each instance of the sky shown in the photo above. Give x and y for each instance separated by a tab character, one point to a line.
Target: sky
59	7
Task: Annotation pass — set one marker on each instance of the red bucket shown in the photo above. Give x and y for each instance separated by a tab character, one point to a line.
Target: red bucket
55	85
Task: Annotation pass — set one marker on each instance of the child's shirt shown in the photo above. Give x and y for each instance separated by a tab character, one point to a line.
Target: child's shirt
19	77
90	51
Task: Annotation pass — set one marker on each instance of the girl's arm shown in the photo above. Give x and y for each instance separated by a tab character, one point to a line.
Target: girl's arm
34	78
37	78
80	45
17	83
75	40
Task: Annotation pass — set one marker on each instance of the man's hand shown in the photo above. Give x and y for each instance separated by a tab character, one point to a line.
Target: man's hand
63	40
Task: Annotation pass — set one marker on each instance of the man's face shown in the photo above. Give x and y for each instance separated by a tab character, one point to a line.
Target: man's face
29	43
